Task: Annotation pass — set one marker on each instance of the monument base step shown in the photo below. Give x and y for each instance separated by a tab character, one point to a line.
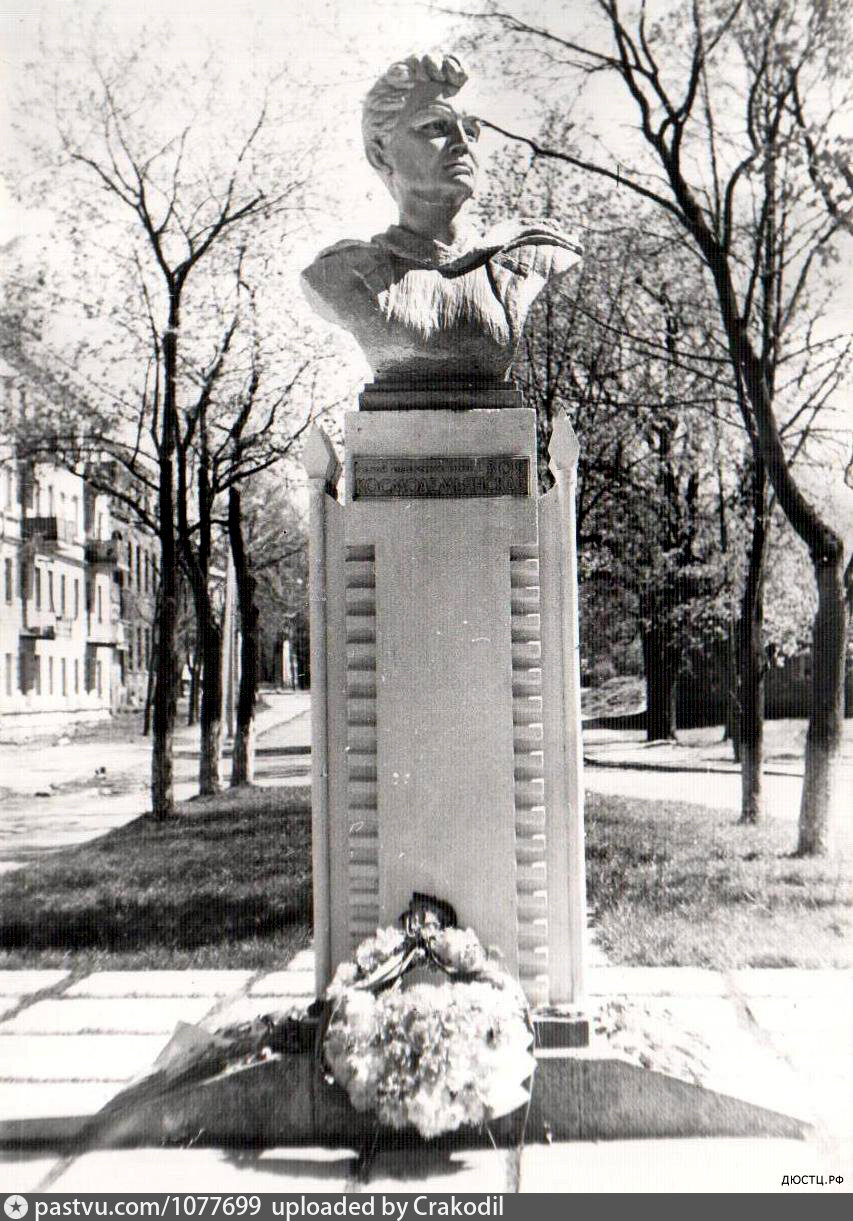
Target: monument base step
553	1030
288	1100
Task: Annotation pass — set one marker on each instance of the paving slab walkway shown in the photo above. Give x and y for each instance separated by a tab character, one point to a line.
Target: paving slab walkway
780	1038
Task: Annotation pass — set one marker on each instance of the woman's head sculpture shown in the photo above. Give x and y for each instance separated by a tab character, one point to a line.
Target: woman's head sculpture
414	138
429	300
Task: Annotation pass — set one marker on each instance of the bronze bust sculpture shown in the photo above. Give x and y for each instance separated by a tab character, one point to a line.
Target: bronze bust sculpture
429	301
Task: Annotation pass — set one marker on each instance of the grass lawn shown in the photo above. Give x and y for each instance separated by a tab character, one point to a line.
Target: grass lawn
672	884
227	884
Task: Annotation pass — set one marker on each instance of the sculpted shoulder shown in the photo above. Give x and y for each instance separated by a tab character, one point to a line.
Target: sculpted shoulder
344	269
540	243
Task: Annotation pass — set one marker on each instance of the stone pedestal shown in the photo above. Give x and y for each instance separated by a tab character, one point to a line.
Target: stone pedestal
445	686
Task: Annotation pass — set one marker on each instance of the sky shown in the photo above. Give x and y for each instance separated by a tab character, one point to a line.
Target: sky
338	47
341	44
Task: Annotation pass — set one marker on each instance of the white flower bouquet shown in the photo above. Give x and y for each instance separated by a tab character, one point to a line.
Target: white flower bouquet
435	1057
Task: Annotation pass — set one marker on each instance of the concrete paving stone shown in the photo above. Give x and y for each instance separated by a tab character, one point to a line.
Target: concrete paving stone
303	960
709	1017
20	983
53	1099
833	1105
793	982
757	1076
118	1015
161	983
284	983
434	1171
247	1008
76	1057
209	1171
726	1059
817	1017
20	1172
655	981
707	1165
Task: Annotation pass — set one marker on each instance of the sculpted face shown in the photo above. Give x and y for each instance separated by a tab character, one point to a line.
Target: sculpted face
430	153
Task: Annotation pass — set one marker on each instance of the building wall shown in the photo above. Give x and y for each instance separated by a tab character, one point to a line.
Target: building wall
56	640
76	602
136	578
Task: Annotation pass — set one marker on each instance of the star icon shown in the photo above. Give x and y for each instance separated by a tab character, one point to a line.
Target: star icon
15	1207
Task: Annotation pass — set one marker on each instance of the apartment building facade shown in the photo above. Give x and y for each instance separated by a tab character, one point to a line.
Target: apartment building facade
76	604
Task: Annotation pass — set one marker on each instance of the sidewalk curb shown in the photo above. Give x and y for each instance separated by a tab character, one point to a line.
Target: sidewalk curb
724	770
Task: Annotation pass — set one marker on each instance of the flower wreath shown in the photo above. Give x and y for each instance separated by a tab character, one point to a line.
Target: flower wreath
433	1056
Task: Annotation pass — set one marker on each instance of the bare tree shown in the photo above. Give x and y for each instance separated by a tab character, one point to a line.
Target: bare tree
158	199
762	208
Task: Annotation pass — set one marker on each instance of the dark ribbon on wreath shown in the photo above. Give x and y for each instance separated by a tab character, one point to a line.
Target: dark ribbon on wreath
424	916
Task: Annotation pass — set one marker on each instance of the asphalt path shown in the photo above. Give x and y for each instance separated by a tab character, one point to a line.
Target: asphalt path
88	804
719	790
32	826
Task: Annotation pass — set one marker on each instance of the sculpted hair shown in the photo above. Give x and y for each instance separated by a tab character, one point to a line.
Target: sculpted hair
391	92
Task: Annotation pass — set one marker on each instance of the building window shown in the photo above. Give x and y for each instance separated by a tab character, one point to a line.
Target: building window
37	668
37	586
9	579
50	676
100	600
99	673
76	597
62	595
76	676
129	563
50	605
8	673
64	666
51	503
75	509
147	572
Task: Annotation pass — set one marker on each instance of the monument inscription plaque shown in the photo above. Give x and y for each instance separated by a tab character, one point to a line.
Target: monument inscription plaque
443	476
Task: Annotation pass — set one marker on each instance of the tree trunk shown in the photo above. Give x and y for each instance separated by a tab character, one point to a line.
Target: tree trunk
731	730
821	812
149	686
820	807
660	665
243	770
751	657
752	719
210	759
243	767
195	685
165	684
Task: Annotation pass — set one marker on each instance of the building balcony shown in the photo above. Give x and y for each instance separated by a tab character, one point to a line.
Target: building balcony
49	533
105	551
100	633
47	624
39	631
38	622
